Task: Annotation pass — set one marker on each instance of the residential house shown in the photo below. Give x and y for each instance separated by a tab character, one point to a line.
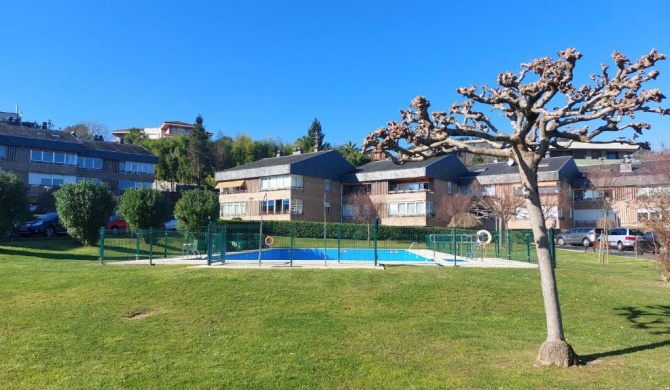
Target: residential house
589	153
405	194
46	158
167	129
499	184
299	187
622	192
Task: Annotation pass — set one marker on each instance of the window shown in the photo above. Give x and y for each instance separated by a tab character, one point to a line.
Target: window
232	209
137	167
284	182
125	184
449	188
93	179
49	157
3	152
350	211
326	205
275	206
489	190
89	163
296	206
417	208
327	185
408	187
612	155
49	180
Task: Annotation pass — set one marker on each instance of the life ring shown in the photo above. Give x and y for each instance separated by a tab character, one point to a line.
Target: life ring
269	241
486	234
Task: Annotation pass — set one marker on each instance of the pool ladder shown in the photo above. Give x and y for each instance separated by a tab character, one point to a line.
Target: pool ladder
410	247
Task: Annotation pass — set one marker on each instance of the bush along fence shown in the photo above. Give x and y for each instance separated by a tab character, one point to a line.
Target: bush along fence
284	243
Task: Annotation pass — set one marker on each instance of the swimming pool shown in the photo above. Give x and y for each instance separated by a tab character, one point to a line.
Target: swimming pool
383	255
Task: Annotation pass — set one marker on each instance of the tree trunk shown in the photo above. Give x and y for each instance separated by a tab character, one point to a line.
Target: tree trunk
555	350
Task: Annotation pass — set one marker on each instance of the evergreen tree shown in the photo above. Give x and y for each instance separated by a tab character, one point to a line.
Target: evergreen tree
199	156
313	139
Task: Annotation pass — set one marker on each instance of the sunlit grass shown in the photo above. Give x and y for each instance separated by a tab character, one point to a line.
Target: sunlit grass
69	322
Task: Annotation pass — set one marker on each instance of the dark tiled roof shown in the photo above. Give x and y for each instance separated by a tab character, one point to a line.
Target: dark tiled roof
550	169
66	142
642	173
447	167
117	151
327	164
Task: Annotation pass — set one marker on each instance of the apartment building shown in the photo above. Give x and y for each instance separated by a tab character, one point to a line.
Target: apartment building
502	184
621	192
46	158
406	194
299	187
165	130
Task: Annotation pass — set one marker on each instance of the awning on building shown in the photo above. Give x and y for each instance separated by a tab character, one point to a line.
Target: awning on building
230	184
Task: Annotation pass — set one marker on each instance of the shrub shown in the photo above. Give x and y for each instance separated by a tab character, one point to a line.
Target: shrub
13	202
83	208
195	209
144	208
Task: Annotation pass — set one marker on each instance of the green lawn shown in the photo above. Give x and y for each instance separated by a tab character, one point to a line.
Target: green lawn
67	322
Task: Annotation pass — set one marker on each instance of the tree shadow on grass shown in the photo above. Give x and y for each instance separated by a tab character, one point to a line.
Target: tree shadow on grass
55	248
655	319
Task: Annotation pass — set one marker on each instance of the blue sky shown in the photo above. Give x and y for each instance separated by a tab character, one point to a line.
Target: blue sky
268	68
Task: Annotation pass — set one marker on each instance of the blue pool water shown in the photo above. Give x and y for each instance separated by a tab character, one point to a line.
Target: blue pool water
383	255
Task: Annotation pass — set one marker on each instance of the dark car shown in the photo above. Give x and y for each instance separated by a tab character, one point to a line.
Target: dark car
578	236
649	243
116	223
46	225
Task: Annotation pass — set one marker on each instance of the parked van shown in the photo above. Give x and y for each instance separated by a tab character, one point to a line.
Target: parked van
624	238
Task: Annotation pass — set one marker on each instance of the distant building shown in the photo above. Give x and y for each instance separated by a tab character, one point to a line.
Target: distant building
46	158
586	153
166	130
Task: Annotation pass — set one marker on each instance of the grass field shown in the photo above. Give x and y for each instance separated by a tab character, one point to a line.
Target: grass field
67	322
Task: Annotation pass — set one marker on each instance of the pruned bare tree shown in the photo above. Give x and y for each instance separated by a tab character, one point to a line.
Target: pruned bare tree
504	206
88	130
555	203
361	208
540	105
452	205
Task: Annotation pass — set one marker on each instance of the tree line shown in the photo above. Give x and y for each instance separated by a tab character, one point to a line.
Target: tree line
194	159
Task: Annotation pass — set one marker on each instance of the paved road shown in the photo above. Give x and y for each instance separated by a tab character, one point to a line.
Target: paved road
614	251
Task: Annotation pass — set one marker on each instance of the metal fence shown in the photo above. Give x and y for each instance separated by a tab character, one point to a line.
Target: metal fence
291	244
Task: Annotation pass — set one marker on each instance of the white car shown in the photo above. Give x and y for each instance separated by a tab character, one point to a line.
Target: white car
171	224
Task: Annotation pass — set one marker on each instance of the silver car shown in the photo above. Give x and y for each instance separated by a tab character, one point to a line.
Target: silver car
624	238
578	236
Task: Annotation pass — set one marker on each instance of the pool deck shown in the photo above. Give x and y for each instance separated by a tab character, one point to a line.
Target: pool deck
440	260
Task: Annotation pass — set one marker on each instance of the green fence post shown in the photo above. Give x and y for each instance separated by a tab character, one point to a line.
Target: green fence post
137	244
210	242
292	244
496	234
166	245
509	246
528	247
376	228
101	242
339	238
151	246
223	243
552	248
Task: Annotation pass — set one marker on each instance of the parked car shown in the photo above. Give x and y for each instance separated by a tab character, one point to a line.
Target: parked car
171	224
578	236
116	223
624	238
46	225
649	243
